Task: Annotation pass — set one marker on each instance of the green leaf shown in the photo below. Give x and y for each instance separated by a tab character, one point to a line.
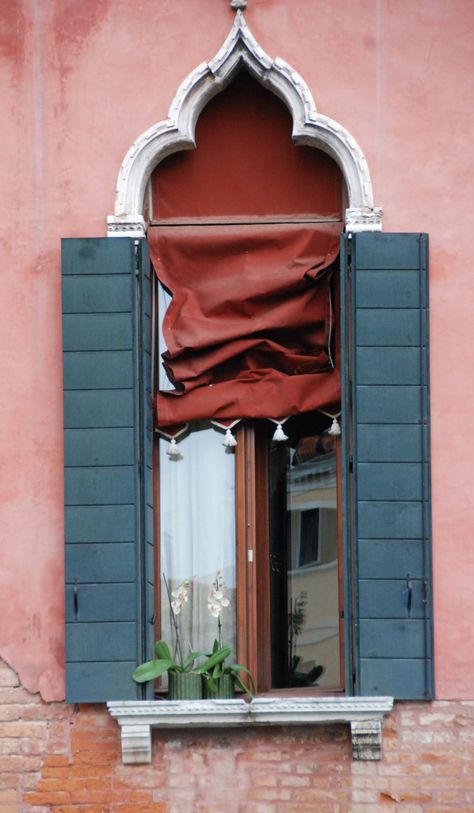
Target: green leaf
217	657
212	684
152	670
246	689
234	669
162	651
188	662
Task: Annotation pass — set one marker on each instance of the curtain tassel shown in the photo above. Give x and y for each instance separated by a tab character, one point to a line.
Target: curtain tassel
335	428
229	439
279	434
172	451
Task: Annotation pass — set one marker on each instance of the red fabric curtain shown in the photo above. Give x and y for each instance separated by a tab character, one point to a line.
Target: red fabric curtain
246	164
248	328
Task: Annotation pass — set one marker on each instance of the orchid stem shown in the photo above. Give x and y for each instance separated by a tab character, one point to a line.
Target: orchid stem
175	623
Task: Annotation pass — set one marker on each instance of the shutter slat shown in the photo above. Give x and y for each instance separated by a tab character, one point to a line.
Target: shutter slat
97	331
391	442
388	252
96	682
95	294
391	638
387	404
387	289
99	523
393	520
93	409
388	365
102	602
99	485
390	556
388	598
100	563
98	447
402	678
102	641
388	327
389	481
96	370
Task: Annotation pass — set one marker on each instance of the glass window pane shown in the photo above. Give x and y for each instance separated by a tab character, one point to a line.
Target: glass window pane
304	558
197	535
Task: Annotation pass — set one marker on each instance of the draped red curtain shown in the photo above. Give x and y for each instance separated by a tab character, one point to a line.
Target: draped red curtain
246	164
248	330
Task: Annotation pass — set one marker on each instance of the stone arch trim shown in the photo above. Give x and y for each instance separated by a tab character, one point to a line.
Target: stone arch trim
176	133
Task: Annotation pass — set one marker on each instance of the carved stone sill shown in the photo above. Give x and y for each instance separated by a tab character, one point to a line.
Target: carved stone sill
137	718
126	226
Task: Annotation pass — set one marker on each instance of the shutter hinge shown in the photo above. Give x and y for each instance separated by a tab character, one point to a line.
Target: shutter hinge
136	248
76	599
341	614
425	589
349	246
351	464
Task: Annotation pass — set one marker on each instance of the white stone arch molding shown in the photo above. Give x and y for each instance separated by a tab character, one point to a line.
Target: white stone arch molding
176	133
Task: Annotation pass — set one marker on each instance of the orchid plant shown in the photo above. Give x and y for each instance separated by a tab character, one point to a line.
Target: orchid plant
212	668
216	603
165	661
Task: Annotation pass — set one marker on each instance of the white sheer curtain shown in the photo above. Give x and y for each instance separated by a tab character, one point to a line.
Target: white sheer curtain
197	527
164	299
197	530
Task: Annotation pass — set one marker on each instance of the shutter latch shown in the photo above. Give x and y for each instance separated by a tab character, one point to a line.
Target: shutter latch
424	600
409	594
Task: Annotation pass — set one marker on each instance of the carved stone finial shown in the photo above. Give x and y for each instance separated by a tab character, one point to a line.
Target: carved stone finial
239	5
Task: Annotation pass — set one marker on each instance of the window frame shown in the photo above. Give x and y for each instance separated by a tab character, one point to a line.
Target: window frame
253	613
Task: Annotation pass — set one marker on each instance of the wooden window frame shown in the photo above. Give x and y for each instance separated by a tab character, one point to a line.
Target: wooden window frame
253	614
253	619
253	581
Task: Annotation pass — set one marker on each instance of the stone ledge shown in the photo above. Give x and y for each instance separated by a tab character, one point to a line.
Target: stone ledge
137	718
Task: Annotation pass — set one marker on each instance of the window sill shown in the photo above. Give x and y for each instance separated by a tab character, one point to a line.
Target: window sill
137	718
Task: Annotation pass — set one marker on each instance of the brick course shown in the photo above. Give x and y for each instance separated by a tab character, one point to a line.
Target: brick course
56	758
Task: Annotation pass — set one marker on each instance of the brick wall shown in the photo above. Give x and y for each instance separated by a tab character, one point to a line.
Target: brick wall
66	759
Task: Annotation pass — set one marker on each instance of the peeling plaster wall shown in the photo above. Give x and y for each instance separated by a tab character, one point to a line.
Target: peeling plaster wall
78	83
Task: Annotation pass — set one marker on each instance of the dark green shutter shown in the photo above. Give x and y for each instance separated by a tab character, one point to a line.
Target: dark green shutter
108	466
387	449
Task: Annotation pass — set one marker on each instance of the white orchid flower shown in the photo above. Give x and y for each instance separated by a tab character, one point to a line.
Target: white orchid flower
214	609
216	602
180	596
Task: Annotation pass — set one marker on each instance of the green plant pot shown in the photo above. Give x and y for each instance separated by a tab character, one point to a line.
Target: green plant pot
224	688
184	686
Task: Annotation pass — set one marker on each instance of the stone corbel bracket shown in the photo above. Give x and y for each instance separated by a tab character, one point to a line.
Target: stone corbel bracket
137	718
177	132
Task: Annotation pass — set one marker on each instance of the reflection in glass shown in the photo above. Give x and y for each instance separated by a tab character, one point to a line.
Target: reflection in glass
304	557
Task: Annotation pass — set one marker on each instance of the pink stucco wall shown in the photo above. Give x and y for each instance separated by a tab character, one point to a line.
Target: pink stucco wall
78	83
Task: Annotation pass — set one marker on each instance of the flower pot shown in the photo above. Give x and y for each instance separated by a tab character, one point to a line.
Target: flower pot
224	688
184	686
